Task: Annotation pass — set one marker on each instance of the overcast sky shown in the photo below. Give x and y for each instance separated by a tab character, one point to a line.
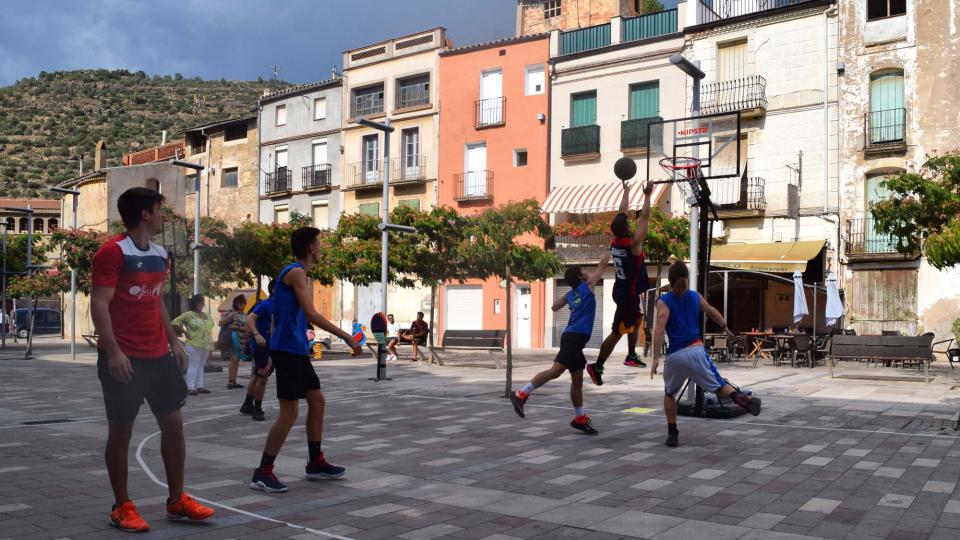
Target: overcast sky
234	39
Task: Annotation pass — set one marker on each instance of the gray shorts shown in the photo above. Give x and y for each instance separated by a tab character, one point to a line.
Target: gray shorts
690	363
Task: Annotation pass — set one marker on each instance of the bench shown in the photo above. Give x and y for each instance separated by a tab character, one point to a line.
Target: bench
889	349
474	340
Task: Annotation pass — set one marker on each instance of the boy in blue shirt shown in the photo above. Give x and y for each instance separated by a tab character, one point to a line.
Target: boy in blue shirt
583	307
259	322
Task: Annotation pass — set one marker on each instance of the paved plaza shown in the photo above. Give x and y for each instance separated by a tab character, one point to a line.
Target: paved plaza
438	453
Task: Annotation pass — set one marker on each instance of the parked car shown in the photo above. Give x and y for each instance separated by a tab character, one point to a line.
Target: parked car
46	321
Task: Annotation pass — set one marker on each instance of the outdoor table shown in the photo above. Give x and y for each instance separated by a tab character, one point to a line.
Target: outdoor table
757	338
783	342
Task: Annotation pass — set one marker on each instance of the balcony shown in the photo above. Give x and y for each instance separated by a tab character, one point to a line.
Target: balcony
363	176
713	11
865	243
489	112
635	134
738	197
408	170
580	143
367	104
588	248
317	177
747	95
649	26
885	131
279	182
473	186
413	96
584	39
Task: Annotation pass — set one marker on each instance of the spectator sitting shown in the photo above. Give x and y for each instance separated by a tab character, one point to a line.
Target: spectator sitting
417	335
393	337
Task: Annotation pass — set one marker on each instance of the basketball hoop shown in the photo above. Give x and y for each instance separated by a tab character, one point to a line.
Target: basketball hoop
684	168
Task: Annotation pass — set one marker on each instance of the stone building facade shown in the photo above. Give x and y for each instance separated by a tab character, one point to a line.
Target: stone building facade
536	16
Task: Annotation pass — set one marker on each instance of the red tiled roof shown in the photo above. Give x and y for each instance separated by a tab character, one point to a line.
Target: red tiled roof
157	153
36	204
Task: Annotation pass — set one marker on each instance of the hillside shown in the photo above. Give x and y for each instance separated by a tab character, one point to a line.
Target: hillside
48	119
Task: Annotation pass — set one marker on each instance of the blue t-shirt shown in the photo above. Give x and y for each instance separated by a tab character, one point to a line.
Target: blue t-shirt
683	326
583	308
264	312
289	321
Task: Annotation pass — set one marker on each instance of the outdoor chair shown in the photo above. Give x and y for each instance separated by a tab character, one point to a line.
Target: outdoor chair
718	349
784	351
822	348
768	348
951	350
802	346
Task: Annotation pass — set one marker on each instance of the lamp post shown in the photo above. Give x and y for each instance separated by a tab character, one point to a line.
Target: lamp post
73	273
3	290
197	167
29	267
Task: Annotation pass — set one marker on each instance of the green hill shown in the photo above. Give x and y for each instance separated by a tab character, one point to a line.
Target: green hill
48	119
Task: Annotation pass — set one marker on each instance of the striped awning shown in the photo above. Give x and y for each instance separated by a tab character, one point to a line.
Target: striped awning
596	198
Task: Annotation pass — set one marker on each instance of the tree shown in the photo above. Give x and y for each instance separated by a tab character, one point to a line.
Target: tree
666	236
355	252
494	250
260	249
650	6
922	212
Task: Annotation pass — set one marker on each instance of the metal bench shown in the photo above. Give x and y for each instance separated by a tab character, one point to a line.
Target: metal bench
888	349
474	340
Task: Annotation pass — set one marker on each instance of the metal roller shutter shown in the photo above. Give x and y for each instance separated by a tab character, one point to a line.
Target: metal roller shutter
464	308
560	318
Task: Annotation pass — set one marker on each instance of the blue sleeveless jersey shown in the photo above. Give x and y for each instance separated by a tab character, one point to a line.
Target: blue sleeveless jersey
683	326
289	322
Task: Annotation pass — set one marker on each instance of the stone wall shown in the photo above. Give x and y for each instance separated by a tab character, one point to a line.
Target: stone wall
573	14
232	204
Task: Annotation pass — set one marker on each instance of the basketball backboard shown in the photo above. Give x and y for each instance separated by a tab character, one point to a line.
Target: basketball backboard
715	139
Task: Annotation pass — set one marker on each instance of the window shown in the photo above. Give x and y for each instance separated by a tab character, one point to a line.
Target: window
235	132
367	101
475	171
410	154
38	225
281	115
520	157
369	209
371	155
24	222
732	61
321	215
583	109
535	80
551	9
197	143
887	116
191	183
52	224
11	224
320	152
154	184
409	203
645	100
413	91
881	9
281	214
319	108
230	177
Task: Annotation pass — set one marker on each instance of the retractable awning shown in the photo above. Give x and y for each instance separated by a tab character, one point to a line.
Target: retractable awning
772	257
596	198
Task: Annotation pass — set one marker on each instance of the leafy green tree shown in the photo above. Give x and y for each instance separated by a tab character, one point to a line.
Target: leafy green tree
666	236
650	6
260	249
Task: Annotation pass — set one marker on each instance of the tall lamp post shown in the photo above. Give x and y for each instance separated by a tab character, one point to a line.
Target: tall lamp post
73	273
196	167
3	290
28	211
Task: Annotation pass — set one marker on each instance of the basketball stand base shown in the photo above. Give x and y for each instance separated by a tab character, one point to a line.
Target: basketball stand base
700	408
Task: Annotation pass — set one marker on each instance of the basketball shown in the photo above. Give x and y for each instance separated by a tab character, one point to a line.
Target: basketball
625	168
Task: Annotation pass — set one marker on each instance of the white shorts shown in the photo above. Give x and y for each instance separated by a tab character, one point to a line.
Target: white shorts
690	363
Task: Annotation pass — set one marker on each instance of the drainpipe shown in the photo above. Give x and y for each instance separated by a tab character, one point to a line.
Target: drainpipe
259	138
826	111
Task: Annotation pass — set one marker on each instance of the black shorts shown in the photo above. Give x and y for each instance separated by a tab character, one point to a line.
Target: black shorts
158	380
295	375
261	357
571	351
626	316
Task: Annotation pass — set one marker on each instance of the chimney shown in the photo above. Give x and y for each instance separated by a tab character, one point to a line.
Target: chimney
100	155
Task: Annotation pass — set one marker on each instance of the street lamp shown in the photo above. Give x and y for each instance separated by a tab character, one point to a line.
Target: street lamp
73	273
29	213
196	219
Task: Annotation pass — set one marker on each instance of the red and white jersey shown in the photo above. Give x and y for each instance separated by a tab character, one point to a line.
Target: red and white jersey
137	276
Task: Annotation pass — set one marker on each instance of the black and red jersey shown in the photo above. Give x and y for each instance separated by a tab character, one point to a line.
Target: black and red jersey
627	268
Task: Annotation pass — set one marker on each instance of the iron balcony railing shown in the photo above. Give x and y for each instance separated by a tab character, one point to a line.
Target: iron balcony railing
590	247
885	129
278	181
635	133
580	140
649	26
863	238
737	194
584	39
317	176
473	185
489	112
740	94
364	174
413	95
709	11
408	169
366	105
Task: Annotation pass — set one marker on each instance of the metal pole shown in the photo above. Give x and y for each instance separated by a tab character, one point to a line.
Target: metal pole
73	291
196	224
726	288
385	235
3	285
694	240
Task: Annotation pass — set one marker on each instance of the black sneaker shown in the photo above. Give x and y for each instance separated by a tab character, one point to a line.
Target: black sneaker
673	439
518	404
586	426
258	414
596	374
751	404
321	468
232	385
246	408
634	361
192	393
202	391
264	480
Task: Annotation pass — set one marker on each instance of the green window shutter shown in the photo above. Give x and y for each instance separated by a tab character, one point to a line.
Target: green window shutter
886	107
409	203
583	109
369	209
644	100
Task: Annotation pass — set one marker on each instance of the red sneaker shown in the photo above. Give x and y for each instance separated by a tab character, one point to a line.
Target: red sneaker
126	518
188	507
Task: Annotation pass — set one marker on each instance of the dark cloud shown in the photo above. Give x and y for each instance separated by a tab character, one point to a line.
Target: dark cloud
237	39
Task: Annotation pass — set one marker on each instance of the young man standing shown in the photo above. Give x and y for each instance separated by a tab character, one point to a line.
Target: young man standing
138	354
583	307
290	354
628	263
258	326
417	335
678	315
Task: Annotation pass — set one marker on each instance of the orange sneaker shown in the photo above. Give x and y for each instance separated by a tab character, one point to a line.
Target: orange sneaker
126	518
188	507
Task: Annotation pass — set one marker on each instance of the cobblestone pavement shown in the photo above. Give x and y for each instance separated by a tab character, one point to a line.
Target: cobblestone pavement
438	453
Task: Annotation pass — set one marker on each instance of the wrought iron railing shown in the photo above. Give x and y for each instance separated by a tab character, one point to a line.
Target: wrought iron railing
317	176
709	11
408	169
473	185
490	112
636	133
740	94
883	129
364	174
580	140
366	105
649	26
584	39
413	95
730	194
863	238
278	181
590	247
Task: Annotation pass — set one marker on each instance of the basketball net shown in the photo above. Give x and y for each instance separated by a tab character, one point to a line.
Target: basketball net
683	171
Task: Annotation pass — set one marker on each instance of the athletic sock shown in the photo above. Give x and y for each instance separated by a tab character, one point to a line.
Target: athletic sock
257	404
247	401
267	460
315	452
528	388
578	411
